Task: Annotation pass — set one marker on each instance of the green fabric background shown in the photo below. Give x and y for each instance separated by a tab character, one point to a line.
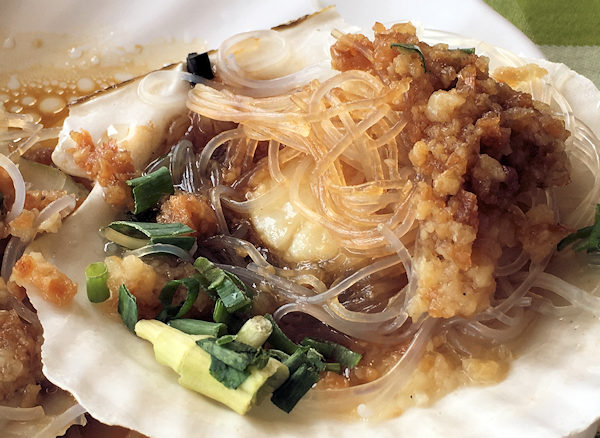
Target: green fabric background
566	31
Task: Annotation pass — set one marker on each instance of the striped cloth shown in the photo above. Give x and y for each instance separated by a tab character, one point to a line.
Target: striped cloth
565	31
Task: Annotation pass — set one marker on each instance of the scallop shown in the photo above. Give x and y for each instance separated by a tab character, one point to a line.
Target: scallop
138	126
284	230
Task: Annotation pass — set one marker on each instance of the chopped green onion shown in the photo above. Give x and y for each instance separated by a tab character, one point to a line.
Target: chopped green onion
123	239
305	355
255	331
162	248
587	238
278	354
293	389
468	50
331	350
198	327
226	339
227	375
233	353
334	367
96	276
128	308
220	313
166	298
582	233
183	242
227	286
305	365
279	340
134	235
149	189
594	239
150	229
414	48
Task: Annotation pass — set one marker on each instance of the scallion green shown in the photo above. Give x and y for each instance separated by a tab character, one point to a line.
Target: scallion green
587	238
96	276
293	389
167	293
162	248
220	313
278	339
127	308
149	189
134	235
334	351
199	327
334	367
414	48
230	289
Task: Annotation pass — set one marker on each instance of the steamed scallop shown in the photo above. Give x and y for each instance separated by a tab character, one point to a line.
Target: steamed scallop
138	125
284	230
114	376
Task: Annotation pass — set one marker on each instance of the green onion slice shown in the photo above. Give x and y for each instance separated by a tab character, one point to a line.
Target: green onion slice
134	235
278	339
128	308
150	229
199	327
293	389
166	298
96	276
149	189
183	242
468	50
230	289
225	339
123	239
331	350
587	238
220	313
162	248
228	376
412	47
234	354
334	367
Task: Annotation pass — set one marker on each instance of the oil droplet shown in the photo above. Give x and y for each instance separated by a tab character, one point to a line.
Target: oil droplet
121	77
28	100
94	60
85	85
4	98
8	43
51	105
15	109
63	85
75	52
13	83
